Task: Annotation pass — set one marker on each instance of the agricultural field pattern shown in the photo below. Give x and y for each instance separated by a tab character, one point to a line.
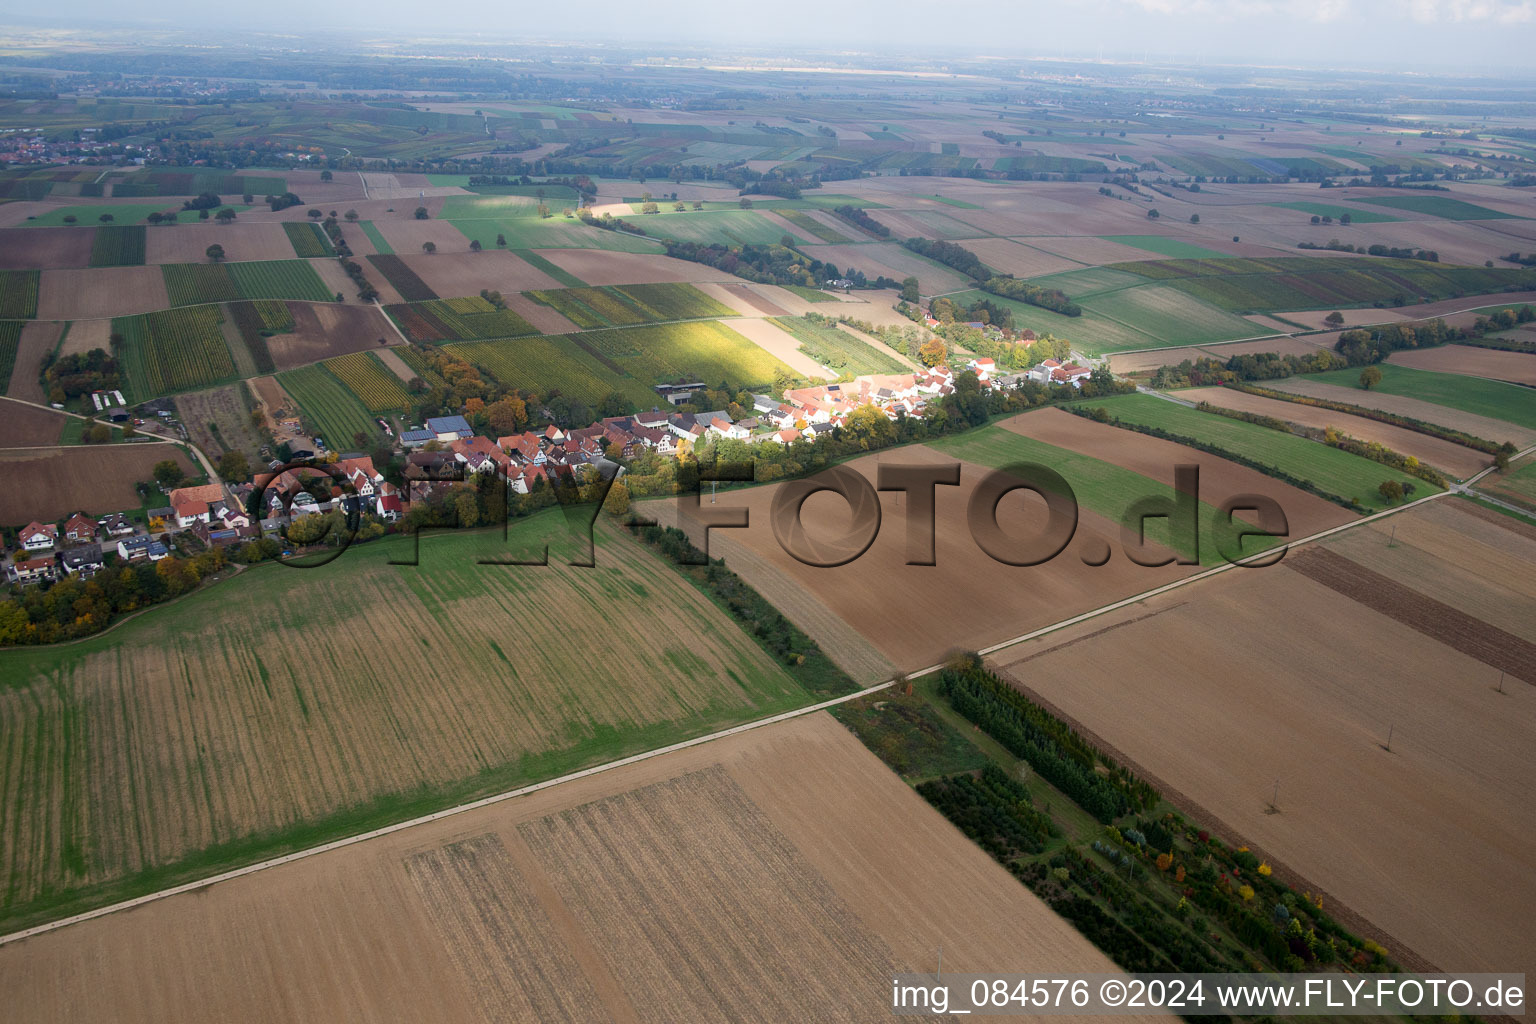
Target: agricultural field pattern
817	519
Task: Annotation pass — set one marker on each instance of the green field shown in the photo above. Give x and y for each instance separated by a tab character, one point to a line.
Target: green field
725	227
1439	206
837	349
327	407
1333	471
389	698
553	193
482	218
1491	398
1165	246
1519	482
1328	210
90	216
173	350
189	284
192	283
279	279
1099	486
630	360
380	246
543	366
628	305
1090	332
309	241
1309	282
809	294
18	294
118	246
10	340
1168	315
807	224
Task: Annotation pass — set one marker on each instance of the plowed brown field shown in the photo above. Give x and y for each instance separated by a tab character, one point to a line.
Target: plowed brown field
26	426
325	329
912	616
94	480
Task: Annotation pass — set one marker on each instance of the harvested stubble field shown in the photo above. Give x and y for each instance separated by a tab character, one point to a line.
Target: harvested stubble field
27	426
100	292
89	479
440	682
323	330
877	611
37	339
1516	367
1446	456
747	878
1307	698
1338	390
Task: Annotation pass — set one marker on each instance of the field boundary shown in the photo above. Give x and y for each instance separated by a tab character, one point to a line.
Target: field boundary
496	798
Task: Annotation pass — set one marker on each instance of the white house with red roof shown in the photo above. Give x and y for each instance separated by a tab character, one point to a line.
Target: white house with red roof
37	536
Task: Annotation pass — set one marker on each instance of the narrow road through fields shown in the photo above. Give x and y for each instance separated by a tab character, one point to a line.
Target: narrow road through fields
274	862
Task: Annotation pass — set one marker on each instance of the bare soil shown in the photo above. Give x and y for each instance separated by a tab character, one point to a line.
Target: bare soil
100	292
913	616
95	480
1518	367
45	248
452	274
325	329
599	267
27	426
38	338
188	243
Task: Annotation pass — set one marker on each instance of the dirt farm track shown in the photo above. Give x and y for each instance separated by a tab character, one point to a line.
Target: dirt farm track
568	905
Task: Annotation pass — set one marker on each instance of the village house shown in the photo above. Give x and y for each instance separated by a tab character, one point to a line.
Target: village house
359	472
138	549
191	505
37	536
524	448
31	570
479	455
116	525
80	528
85	561
387	502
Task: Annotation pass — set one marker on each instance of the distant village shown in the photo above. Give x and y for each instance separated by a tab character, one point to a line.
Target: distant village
445	451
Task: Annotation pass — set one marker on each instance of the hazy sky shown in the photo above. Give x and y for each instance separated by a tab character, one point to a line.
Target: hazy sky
1470	35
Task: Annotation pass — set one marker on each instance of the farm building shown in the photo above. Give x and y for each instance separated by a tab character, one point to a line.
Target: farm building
416	438
450	428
